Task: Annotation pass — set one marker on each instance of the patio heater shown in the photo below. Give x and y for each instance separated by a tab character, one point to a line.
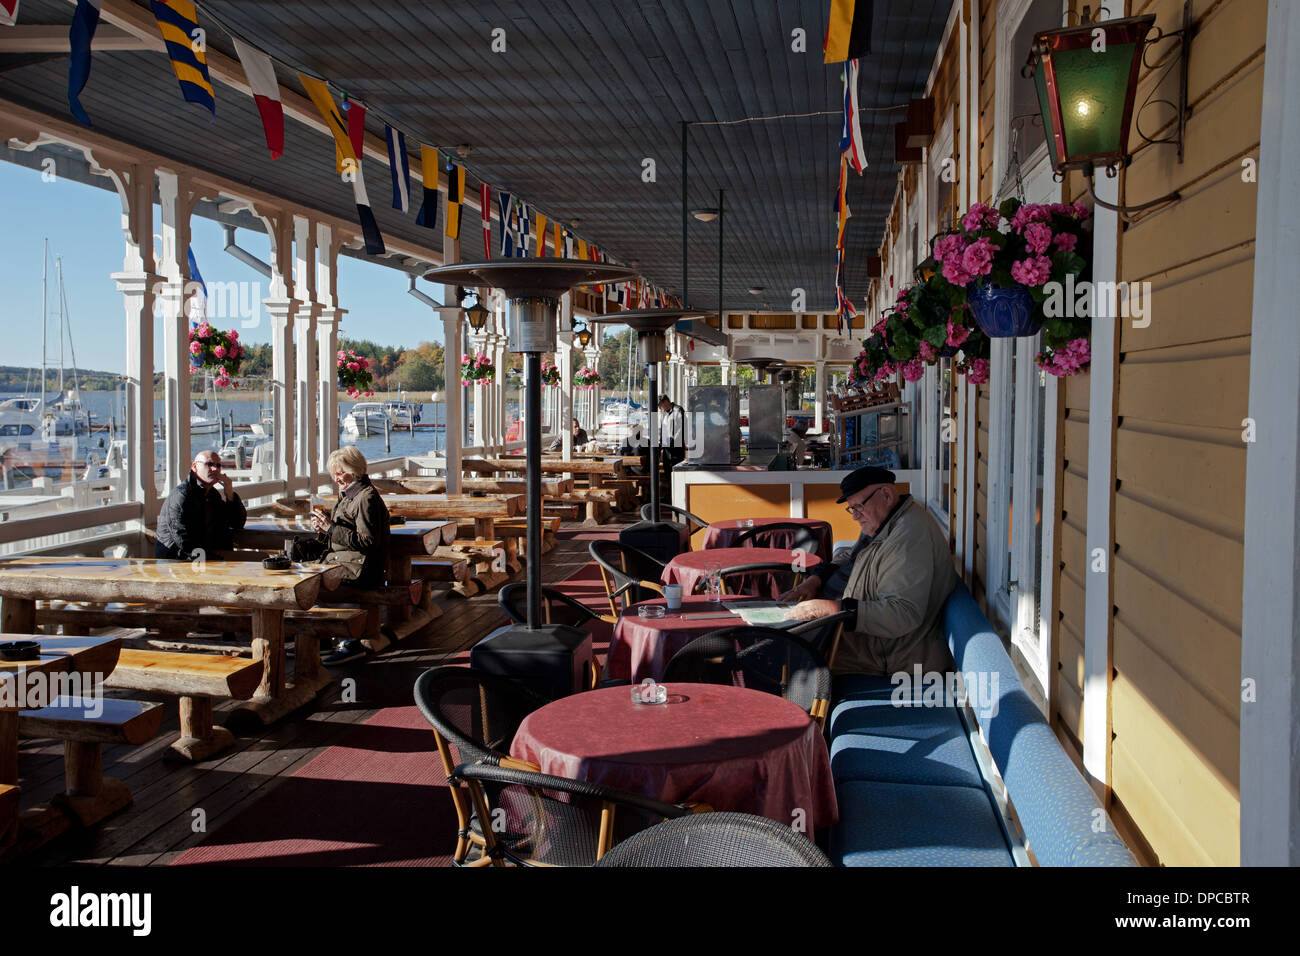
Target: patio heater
533	288
650	326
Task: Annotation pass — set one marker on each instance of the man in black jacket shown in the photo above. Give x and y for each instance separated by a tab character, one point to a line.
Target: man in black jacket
201	513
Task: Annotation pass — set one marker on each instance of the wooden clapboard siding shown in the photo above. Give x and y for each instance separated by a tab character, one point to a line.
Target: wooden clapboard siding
1180	463
1072	555
981	503
988	54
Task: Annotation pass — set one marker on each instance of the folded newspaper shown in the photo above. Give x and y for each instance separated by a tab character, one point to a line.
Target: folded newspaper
761	613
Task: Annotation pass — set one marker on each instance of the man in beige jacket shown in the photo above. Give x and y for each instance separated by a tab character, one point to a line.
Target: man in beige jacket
896	579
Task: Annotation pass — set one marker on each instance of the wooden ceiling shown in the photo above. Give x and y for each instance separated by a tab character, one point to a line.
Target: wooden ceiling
566	116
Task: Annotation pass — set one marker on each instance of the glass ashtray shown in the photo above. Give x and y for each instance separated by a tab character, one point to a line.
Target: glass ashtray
651	610
648	692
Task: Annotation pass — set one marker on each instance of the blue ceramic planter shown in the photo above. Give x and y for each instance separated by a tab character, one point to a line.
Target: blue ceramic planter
1003	313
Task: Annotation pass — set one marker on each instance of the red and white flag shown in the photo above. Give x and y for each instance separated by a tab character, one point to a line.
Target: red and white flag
8	12
266	92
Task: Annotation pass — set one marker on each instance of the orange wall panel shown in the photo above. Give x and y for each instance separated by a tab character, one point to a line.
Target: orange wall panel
819	502
720	502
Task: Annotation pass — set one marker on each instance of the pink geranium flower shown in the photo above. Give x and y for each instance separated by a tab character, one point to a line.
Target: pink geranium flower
1033	271
219	351
949	247
1030	212
233	335
1066	241
978	372
957	334
914	370
1038	236
353	366
195	348
955	273
977	260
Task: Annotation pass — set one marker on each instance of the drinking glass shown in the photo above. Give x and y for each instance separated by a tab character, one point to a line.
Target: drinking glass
713	585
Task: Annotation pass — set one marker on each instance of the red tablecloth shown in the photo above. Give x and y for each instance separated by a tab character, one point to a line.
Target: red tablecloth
721	534
690	567
643	646
729	747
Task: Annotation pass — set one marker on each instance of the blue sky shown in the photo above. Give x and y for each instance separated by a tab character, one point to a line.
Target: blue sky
83	225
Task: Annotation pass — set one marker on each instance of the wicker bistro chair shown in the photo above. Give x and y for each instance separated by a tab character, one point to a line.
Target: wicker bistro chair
694	523
823	634
628	573
477	714
766	659
555	821
737	578
716	839
779	534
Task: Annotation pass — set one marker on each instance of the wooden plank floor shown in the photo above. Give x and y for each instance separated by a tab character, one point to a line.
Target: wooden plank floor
162	823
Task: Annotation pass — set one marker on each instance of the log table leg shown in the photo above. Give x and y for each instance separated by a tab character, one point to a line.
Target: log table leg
199	740
17	616
8	743
273	699
399	573
90	797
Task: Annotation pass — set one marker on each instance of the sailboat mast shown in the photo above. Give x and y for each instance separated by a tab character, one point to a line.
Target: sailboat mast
58	269
45	361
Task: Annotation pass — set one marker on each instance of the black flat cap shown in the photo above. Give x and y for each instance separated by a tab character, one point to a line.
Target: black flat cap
862	478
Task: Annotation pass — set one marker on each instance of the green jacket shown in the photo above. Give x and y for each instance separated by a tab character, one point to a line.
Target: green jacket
900	581
358	538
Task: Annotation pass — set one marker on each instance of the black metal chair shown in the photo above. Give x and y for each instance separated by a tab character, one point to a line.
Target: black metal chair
716	839
693	523
555	821
823	634
628	573
779	534
735	578
477	714
765	659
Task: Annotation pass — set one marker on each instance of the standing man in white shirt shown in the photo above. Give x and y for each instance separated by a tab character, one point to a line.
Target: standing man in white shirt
672	432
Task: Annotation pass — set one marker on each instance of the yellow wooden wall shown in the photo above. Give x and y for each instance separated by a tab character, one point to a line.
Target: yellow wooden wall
1179	457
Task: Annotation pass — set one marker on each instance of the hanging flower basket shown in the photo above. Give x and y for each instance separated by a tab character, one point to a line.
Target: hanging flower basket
550	373
217	351
354	373
1010	259
1003	313
586	378
477	369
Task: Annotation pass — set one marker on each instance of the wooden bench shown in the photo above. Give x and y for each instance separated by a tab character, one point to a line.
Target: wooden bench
173	624
517	528
84	726
402	595
195	679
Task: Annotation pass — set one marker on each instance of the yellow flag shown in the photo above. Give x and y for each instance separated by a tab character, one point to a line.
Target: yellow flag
540	251
324	101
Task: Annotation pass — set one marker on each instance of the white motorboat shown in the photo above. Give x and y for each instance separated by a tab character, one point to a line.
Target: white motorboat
403	414
365	418
19	417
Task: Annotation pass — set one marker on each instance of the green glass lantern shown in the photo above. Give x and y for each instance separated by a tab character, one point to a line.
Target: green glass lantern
1086	78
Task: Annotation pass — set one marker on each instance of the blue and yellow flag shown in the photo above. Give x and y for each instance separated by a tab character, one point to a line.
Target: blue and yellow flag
186	45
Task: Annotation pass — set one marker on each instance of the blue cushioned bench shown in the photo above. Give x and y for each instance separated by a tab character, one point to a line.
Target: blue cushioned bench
916	786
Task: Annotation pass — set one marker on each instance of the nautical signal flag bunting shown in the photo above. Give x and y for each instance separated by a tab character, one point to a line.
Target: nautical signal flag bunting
186	45
260	72
848	32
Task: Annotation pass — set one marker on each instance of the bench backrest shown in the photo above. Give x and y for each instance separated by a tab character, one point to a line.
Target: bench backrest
1058	810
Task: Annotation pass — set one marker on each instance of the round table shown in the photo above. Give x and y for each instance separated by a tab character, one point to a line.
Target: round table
642	646
721	534
690	567
729	747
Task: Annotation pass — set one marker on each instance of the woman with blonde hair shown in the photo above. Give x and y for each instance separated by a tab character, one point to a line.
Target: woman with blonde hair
355	533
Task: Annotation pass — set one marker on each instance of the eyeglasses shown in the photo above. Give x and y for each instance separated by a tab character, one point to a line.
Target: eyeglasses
210	462
861	506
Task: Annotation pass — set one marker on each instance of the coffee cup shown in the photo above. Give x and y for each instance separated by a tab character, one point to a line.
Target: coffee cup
673	596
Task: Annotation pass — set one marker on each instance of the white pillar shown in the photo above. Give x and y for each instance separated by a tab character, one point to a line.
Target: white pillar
280	309
328	319
177	202
819	404
136	282
305	343
565	356
1270	619
478	342
454	408
724	368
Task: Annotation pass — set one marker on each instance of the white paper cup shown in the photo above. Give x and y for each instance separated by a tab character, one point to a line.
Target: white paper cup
673	596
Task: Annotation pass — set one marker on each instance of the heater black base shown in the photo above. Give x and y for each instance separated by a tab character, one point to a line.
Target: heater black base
553	660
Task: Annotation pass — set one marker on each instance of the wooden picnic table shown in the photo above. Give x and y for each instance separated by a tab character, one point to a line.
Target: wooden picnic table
86	655
483	510
594	468
495	486
239	584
